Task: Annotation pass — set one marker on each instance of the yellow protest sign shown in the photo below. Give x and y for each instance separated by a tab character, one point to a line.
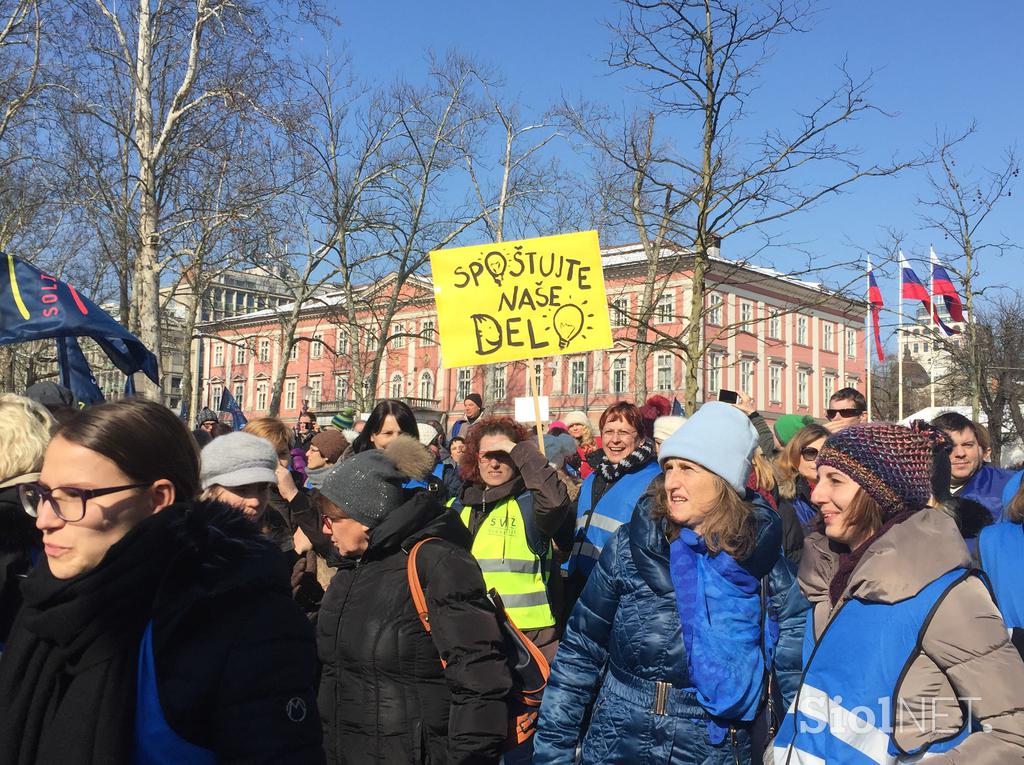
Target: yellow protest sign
520	300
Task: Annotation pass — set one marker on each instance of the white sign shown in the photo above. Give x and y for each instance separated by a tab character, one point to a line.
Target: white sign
524	409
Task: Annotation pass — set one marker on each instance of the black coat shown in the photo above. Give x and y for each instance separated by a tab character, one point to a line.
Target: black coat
20	544
235	658
384	696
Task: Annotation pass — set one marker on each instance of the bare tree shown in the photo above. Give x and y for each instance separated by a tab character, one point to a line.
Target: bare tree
959	206
697	61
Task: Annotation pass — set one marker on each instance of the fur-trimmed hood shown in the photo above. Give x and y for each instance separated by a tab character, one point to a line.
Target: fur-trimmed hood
410	457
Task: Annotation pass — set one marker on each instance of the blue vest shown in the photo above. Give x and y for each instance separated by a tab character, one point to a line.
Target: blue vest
986	488
156	742
1001	548
843	713
613	509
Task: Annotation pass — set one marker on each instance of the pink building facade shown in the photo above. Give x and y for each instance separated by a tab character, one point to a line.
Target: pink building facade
788	344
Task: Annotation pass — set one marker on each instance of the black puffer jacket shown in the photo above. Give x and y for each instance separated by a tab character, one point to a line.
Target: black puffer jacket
384	696
20	544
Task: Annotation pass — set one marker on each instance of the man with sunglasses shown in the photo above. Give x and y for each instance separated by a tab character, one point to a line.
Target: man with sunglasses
846	407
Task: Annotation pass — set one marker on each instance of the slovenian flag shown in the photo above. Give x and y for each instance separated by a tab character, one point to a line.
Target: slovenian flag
875	299
913	288
942	286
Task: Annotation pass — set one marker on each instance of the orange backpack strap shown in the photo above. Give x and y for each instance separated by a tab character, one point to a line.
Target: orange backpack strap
419	600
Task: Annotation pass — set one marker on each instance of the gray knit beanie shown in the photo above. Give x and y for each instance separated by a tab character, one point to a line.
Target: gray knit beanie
371	484
238	459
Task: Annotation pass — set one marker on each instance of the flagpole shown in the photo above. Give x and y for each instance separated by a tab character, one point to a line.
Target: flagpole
867	334
934	334
899	345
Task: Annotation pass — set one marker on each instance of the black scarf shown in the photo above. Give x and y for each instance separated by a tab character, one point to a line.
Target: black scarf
67	679
635	459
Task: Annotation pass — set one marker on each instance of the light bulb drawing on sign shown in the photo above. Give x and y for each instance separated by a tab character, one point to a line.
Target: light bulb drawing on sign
519	300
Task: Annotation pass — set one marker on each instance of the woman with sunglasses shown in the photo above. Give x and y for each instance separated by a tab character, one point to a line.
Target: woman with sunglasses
907	655
796	474
135	642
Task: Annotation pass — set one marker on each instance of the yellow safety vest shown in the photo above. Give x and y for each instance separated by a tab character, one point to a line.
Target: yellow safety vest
509	565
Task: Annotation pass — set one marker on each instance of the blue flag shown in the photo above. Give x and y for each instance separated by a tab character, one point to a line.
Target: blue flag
228	404
37	306
677	408
75	373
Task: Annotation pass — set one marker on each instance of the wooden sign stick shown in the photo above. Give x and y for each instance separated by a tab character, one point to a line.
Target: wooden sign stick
536	406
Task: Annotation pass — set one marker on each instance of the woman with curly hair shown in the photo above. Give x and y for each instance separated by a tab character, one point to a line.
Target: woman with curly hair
513	502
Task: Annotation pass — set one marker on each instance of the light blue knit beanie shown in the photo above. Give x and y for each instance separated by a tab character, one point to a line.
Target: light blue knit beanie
720	438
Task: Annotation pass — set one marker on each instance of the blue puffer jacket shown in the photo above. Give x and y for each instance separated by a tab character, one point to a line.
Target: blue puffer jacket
623	637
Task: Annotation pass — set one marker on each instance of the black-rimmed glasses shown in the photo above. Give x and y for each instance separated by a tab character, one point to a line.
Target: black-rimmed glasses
67	502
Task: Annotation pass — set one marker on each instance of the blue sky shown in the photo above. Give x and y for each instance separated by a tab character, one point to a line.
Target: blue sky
938	66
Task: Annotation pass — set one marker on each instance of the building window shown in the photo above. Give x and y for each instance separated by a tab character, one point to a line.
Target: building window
619	375
620	311
775	383
577	377
500	390
464	386
289	394
293	354
829	386
747	377
315	392
715	312
917	347
801	330
426	385
396	385
239	354
538	378
715	372
801	387
215	394
428	333
747	313
261	396
341	388
343	342
663	372
316	348
666	308
851	343
827	330
774	327
397	335
239	393
927	347
264	352
218	354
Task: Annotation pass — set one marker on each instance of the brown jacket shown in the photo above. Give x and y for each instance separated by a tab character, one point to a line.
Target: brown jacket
965	652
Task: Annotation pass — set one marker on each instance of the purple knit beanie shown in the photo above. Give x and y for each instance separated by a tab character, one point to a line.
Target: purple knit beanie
891	463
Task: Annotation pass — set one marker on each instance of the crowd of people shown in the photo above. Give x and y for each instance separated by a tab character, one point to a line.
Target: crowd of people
711	589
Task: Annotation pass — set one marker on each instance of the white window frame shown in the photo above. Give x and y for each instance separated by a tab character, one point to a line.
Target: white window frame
775	326
828	336
264	351
500	382
747	376
240	354
316	390
663	371
775	384
464	384
620	311
620	375
261	396
218	354
577	377
290	388
665	311
426	388
396	385
428	332
801	330
851	343
715	372
341	387
746	314
828	386
316	346
803	378
715	305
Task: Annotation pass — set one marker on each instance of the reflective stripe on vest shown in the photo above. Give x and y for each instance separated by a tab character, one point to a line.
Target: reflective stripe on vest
1002	550
156	742
510	566
845	709
613	509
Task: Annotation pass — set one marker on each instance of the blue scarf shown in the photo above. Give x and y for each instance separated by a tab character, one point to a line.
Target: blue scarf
719	607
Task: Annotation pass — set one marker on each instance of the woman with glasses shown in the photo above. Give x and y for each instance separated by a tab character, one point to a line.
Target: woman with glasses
24	433
391	692
155	629
608	495
663	659
796	475
512	501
